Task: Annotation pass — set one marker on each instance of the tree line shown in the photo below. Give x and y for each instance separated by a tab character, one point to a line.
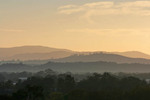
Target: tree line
64	87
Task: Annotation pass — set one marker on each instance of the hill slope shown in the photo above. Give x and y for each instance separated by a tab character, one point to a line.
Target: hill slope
133	54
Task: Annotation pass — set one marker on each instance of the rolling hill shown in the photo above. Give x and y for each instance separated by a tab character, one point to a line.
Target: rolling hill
102	57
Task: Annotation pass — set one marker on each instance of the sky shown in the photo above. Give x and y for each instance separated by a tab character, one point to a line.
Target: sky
80	25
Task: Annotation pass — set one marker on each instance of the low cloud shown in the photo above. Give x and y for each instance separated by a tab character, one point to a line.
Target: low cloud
121	32
106	8
140	8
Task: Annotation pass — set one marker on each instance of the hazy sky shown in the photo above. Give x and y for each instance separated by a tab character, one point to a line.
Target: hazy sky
83	25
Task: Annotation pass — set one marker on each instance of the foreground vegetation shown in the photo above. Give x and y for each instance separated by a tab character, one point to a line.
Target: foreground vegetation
54	86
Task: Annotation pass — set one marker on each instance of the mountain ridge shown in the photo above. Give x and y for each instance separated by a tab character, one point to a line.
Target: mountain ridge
30	52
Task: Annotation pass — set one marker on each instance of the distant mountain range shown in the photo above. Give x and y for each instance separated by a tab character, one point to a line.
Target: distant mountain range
39	53
37	58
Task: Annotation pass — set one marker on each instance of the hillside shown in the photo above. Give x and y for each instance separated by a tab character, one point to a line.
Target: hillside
32	53
42	56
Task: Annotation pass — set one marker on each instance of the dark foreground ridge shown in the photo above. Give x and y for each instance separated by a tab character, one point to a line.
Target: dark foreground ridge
99	66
